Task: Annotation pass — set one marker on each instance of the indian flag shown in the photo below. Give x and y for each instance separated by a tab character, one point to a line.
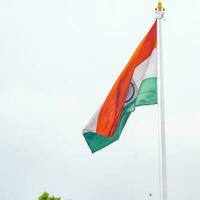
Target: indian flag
136	86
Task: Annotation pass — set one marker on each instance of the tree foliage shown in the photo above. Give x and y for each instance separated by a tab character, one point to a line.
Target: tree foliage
46	196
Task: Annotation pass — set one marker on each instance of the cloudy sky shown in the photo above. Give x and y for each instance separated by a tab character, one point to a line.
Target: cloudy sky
58	60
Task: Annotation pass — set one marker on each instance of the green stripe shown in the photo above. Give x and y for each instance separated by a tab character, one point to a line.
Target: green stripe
147	95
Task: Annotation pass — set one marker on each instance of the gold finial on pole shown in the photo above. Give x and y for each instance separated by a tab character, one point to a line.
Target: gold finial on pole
160	6
160	11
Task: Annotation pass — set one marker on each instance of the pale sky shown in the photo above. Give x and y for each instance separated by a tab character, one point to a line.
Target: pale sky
58	61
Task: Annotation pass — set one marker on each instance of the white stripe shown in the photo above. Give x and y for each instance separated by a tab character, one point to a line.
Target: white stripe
92	124
146	69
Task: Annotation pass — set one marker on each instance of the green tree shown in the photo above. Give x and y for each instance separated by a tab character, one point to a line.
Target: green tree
46	196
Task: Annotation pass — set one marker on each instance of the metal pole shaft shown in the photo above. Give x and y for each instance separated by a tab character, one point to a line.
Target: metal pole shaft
161	113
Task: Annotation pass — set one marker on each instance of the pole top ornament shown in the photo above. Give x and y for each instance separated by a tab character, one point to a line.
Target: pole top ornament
160	6
160	10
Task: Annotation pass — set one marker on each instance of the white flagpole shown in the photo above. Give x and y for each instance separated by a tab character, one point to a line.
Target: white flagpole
160	11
